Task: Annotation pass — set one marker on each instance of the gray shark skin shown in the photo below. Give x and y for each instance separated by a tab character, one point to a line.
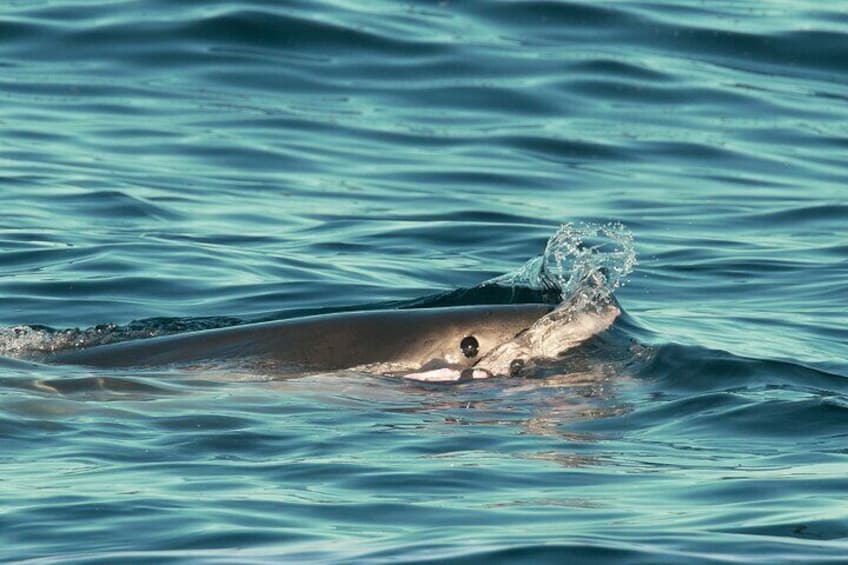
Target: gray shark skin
409	339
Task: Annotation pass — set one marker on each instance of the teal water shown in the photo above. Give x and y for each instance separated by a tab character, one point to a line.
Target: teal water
168	168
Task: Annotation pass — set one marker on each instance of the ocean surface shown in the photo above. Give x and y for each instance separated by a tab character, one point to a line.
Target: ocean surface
171	166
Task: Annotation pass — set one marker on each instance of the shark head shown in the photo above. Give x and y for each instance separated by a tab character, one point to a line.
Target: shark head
505	350
451	340
462	341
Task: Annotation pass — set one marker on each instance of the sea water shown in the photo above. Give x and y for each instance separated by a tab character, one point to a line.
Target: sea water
178	166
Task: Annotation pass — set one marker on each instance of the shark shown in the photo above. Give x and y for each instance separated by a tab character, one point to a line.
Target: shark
447	344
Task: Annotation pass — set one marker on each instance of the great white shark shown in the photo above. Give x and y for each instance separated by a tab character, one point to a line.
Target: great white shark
428	344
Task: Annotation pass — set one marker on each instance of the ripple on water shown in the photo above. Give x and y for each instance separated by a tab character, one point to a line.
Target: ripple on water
172	168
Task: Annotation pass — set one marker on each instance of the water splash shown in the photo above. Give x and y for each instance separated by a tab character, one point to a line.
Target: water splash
583	264
31	341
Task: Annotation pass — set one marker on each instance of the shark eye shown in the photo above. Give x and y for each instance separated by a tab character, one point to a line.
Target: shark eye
469	346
